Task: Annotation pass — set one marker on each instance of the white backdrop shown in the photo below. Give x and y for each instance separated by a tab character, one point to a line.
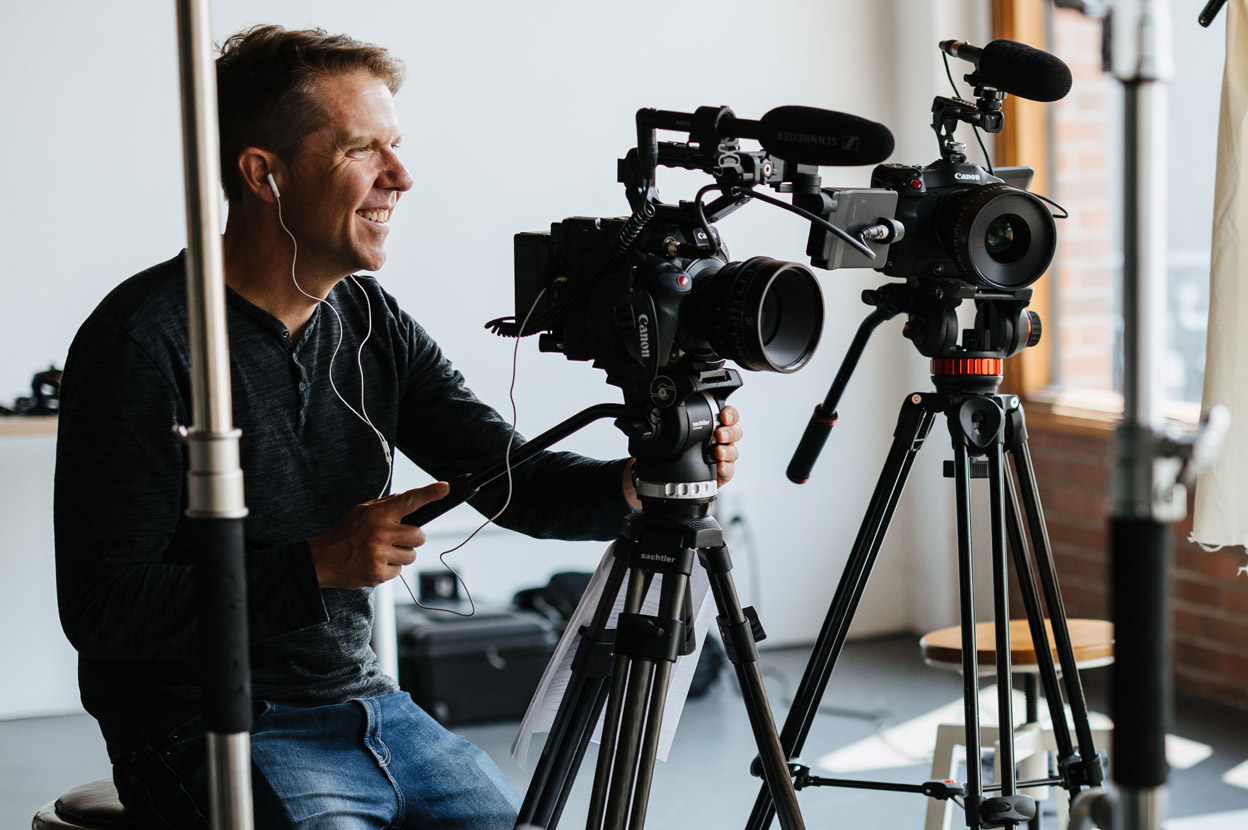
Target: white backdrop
515	114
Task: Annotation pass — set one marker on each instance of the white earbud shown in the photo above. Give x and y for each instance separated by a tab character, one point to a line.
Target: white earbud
273	186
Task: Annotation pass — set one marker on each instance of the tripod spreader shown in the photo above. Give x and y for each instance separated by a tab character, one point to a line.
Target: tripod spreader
1014	808
941	790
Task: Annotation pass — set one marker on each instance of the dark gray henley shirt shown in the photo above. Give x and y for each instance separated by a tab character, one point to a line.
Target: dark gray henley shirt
120	491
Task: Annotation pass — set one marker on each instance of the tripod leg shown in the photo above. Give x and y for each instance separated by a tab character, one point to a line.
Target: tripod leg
575	720
970	661
646	647
979	422
1001	617
738	635
913	424
628	739
1087	770
638	584
673	604
1039	634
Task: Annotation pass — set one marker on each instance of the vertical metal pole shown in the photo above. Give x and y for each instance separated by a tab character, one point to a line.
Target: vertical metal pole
215	480
1145	499
1151	470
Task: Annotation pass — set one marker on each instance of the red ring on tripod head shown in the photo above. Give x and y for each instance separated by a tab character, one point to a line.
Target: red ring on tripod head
967	365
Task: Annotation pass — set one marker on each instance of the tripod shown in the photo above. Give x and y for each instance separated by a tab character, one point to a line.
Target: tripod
627	669
982	425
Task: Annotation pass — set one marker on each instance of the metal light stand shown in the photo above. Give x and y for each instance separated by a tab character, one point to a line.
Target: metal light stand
215	480
1151	468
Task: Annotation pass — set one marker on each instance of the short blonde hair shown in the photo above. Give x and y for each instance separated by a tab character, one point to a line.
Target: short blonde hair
266	78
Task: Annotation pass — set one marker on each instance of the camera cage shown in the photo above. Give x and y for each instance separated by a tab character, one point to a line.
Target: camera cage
1001	234
713	147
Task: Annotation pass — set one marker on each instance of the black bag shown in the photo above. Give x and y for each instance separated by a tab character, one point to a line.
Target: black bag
473	669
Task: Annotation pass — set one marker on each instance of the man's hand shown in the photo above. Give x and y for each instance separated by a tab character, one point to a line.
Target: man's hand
725	453
370	545
726	437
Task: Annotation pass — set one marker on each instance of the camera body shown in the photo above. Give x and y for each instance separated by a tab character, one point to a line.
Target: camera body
674	303
962	221
655	293
953	220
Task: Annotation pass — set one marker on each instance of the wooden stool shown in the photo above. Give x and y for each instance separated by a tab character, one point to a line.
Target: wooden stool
1093	644
91	806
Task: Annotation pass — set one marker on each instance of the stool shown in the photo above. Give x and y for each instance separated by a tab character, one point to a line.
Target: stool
91	806
1093	644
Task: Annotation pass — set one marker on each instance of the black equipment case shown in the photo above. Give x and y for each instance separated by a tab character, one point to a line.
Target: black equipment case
473	669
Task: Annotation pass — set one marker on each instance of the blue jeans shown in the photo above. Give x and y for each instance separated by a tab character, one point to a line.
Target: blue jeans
367	763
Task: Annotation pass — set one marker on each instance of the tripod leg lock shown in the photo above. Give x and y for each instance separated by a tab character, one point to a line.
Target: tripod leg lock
995	812
594	658
798	771
651	638
943	790
740	638
1077	772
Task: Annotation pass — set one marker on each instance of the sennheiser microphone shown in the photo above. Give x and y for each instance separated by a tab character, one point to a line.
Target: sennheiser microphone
1015	68
807	135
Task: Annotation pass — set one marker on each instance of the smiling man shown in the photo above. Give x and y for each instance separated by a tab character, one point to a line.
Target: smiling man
309	136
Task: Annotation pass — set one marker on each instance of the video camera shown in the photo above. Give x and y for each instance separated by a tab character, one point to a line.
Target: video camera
951	219
655	293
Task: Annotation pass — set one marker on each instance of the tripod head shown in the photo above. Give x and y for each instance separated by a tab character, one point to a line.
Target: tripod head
671	441
669	424
1003	327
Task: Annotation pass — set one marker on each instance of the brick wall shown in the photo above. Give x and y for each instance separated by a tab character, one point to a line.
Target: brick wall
1209	595
1085	180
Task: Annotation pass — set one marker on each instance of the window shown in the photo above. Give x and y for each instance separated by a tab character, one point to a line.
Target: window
1078	142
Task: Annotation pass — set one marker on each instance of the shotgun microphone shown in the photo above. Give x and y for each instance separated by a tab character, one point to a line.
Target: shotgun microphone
1015	68
807	135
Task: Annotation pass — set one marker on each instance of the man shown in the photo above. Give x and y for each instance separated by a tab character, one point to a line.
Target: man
309	138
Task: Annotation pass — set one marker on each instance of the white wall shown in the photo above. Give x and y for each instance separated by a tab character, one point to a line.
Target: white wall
514	115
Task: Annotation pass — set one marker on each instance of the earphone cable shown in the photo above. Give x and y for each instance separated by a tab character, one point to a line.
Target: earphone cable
511	439
385	446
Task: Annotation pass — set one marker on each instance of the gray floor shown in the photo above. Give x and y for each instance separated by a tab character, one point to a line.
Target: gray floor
878	685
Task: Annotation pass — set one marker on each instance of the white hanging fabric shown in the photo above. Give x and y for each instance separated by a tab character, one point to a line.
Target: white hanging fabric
1221	516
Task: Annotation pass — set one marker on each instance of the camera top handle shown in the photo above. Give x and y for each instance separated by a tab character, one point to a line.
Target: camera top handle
796	142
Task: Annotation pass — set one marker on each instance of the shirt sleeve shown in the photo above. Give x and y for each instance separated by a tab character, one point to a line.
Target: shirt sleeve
122	542
446	430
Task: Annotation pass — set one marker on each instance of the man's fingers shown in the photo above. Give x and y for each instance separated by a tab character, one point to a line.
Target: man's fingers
418	497
400	556
729	431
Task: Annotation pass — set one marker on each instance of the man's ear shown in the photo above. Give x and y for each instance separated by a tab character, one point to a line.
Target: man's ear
255	166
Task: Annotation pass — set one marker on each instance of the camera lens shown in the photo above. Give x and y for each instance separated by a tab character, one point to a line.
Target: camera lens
1007	239
764	314
1000	236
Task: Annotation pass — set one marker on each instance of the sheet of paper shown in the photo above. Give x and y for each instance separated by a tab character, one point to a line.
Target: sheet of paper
540	715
